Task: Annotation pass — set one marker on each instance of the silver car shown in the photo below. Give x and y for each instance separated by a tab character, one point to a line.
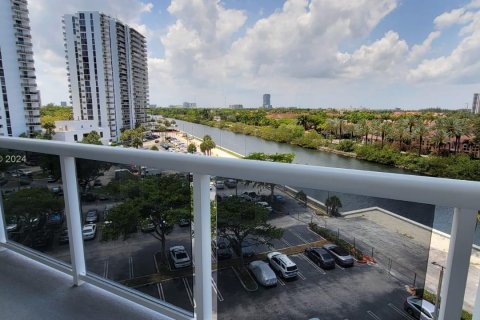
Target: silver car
263	273
342	257
419	308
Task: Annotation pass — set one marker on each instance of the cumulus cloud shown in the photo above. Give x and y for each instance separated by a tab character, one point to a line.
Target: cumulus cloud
463	63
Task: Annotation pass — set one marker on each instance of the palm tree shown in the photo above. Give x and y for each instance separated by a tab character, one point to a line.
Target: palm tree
302	120
333	203
385	129
400	132
455	128
363	128
420	131
438	139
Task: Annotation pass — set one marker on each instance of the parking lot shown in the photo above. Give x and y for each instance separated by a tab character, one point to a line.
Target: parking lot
361	292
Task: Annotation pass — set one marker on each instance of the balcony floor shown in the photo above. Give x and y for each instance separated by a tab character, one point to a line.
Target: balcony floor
30	290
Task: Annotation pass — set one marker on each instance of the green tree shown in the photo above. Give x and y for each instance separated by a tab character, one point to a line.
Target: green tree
420	131
207	145
364	129
133	137
92	138
192	148
333	203
302	196
161	201
238	220
49	130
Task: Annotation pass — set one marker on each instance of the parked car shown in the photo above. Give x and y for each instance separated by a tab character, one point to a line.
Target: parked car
184	222
230	183
266	206
419	308
247	249
89	197
63	238
249	196
180	257
51	179
341	256
282	264
263	273
147	225
321	257
97	183
92	216
220	184
89	231
55	218
278	198
13	224
221	247
42	238
58	191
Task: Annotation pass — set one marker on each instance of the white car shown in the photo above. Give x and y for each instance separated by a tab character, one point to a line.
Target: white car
282	264
266	206
89	231
180	257
263	273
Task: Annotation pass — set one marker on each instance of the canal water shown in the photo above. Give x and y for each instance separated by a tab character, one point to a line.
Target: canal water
437	217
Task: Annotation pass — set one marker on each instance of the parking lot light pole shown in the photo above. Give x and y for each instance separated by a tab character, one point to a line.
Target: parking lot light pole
3	235
439	289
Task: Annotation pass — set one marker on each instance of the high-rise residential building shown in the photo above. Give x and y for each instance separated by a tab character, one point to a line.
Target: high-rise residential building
19	97
476	103
266	101
107	71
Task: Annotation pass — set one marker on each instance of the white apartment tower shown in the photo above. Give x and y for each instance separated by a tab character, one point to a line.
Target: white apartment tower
19	97
107	71
476	103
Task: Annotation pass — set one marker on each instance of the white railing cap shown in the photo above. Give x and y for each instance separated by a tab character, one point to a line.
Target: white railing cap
437	191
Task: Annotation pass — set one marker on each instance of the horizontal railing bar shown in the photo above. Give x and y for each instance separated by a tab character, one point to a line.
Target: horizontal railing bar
138	297
34	255
436	191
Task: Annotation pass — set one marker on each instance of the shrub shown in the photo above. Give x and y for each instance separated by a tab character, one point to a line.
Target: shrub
346	145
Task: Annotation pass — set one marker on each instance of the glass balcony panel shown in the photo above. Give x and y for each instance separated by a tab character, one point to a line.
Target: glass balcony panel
137	230
32	195
269	258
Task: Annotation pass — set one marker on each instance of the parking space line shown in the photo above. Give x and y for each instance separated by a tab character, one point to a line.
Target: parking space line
341	268
280	281
373	315
219	295
105	269
400	312
301	275
130	267
189	290
303	257
156	263
286	242
299	236
214	258
161	294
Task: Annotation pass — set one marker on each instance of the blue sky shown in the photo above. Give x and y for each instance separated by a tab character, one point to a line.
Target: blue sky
317	53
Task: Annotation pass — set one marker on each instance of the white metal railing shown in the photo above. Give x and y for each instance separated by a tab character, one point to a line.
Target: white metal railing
462	195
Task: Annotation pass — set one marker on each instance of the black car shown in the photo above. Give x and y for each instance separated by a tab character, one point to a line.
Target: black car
321	257
221	248
184	222
92	216
42	239
230	183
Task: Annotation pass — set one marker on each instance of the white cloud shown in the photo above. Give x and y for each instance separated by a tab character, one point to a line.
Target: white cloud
419	50
383	57
146	7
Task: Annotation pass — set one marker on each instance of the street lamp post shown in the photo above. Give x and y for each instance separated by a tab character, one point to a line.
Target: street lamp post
438	300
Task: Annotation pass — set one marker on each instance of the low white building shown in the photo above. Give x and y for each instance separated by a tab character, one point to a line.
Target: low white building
76	130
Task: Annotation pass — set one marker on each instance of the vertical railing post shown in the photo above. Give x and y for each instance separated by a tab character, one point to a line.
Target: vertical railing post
458	263
3	233
202	250
74	217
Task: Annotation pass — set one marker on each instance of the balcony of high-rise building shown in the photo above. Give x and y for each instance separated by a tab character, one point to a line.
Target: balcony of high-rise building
67	227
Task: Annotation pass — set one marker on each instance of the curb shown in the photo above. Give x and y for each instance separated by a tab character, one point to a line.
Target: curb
243	283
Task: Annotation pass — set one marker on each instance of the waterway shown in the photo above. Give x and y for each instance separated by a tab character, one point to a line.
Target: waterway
437	217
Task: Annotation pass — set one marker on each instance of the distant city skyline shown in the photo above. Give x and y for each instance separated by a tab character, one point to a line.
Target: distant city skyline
380	54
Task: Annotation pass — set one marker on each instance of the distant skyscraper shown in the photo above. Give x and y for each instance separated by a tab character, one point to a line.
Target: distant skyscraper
19	97
266	101
107	65
476	103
